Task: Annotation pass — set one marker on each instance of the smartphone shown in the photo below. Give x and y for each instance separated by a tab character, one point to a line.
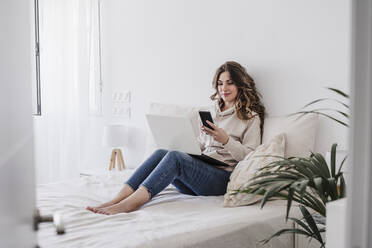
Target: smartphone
204	116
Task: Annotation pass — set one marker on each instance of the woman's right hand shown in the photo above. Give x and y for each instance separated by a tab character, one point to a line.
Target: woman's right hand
217	133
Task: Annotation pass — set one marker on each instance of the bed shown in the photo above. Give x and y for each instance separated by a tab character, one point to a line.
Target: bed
170	219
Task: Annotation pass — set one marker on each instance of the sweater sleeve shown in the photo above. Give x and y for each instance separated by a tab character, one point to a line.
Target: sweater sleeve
251	140
201	140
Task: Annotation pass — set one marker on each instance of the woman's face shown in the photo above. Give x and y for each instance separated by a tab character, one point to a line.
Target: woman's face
226	88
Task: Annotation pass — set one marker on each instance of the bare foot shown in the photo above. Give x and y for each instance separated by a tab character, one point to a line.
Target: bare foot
121	207
125	192
104	205
92	209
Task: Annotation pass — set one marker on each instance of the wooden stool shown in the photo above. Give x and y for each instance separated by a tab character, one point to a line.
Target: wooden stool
117	155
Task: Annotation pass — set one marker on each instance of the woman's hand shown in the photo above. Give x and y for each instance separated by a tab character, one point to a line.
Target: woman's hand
217	133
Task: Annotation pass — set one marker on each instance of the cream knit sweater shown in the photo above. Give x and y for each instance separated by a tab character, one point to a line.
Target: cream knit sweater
245	136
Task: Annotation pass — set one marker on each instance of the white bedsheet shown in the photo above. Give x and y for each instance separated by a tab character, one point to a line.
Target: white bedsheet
170	219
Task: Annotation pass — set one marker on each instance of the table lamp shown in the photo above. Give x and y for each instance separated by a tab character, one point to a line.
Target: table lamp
114	136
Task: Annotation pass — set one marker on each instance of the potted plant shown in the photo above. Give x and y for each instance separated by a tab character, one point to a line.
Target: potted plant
310	182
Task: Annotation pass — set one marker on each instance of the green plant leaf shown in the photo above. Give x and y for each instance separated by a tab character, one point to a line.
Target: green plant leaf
301	223
311	223
339	92
302	168
302	187
333	189
306	167
319	160
330	109
333	159
264	181
289	201
325	99
318	183
326	115
270	193
342	163
287	231
342	187
314	203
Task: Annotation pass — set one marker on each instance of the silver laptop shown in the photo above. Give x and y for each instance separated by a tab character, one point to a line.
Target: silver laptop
177	133
173	133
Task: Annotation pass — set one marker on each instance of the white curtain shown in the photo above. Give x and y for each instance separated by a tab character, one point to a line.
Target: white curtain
65	75
92	12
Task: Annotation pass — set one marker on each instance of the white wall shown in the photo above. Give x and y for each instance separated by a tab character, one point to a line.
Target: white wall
167	51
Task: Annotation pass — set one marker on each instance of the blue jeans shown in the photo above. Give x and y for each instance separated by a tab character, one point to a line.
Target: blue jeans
189	175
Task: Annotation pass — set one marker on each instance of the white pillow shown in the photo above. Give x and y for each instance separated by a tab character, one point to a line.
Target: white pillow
247	169
300	133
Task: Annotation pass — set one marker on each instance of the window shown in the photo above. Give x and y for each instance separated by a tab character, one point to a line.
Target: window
36	87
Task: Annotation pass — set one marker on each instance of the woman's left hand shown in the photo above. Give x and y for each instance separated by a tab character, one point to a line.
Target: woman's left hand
217	133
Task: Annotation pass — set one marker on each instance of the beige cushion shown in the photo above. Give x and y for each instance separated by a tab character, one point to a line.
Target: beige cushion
247	168
300	133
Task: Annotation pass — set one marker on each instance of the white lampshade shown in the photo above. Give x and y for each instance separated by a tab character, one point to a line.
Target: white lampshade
114	135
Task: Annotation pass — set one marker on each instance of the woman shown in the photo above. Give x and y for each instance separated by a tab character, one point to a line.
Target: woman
238	116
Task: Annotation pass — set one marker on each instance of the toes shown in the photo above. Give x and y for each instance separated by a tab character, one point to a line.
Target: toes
105	212
92	209
100	211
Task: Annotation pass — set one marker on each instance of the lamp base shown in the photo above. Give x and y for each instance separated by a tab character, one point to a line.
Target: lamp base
117	155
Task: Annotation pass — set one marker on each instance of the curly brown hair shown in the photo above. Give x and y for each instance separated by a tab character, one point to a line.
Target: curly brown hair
248	98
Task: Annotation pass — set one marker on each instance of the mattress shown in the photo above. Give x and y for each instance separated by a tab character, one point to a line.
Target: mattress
170	219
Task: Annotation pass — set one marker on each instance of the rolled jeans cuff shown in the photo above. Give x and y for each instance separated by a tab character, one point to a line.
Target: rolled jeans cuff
149	190
130	185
